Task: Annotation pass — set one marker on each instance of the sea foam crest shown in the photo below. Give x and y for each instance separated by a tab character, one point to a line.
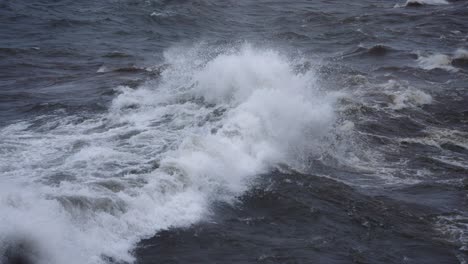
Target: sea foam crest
86	191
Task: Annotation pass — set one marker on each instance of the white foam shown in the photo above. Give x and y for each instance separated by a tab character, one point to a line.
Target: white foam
410	98
442	61
437	137
404	96
84	189
461	54
454	226
436	61
102	69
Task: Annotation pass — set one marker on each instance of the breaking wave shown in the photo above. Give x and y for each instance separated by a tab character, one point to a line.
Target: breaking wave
445	62
94	186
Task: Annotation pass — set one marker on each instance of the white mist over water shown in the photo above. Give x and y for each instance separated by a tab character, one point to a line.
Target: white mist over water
78	190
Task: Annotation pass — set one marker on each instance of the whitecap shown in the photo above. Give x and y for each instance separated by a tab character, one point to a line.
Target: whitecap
410	98
436	61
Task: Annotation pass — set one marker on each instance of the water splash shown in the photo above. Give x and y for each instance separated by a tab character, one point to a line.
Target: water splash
160	156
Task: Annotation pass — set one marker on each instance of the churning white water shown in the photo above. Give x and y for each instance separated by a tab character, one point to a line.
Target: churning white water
79	190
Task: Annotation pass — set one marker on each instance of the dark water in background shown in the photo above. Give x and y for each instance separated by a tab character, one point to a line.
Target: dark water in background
233	131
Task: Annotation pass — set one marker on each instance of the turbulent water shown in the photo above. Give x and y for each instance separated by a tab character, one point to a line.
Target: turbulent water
153	131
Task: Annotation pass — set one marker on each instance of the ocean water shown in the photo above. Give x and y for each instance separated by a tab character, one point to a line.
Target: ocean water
203	131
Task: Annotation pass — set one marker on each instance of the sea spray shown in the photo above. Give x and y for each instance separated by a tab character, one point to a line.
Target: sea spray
86	191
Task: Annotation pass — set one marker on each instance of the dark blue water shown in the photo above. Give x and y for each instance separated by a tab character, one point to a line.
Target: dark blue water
155	131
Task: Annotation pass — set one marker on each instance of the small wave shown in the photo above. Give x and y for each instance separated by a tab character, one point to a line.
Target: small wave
455	227
16	51
163	14
436	61
116	54
454	163
439	137
132	69
403	96
292	36
443	61
67	22
415	3
103	69
410	98
460	58
377	50
129	69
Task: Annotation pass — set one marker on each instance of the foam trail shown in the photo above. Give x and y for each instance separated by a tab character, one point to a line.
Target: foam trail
160	156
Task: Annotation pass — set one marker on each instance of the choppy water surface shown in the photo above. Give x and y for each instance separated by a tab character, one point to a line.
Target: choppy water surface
137	131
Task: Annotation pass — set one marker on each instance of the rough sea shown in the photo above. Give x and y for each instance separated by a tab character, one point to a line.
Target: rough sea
233	131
